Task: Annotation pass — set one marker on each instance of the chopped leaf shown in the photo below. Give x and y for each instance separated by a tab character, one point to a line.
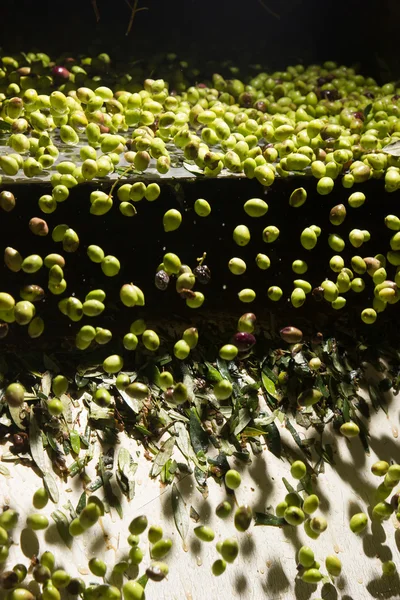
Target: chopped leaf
269	519
163	455
126	473
181	517
51	486
194	515
62	525
75	441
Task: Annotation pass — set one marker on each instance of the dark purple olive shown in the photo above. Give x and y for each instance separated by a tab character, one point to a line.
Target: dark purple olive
60	72
318	293
291	335
368	94
202	274
161	280
243	341
394	501
8	580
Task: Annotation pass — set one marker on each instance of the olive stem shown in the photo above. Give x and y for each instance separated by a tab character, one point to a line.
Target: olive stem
127	170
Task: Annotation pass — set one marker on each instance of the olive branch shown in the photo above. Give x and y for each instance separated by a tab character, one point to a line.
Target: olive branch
134	10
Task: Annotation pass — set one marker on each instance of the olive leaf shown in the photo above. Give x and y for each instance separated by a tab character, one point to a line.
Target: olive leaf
268	519
4	126
126	473
393	148
181	517
62	525
4	471
75	441
163	455
51	486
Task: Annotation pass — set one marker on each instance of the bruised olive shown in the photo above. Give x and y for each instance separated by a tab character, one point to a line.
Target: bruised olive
7	201
38	226
291	335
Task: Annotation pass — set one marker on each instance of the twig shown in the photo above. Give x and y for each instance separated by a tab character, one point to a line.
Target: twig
96	10
269	10
132	17
125	172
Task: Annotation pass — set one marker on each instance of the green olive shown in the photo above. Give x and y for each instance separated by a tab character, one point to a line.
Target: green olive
204	533
202	208
110	266
311	576
306	557
172	263
138	525
13	259
309	397
232	479
247	295
380	468
137	390
89	515
97	567
294	515
172	220
358	522
60	578
350	429
389	568
263	262
196	301
368	316
32	263
218	567
55	407
325	185
308	238
237	266
255	207
318	524
230	549
336	242
298	197
223	389
309	531
14	394
132	590
95	253
223	510
113	364
280	508
24	311
228	352
243	518
298	469
310	504
37	521
150	340
299	267
241	235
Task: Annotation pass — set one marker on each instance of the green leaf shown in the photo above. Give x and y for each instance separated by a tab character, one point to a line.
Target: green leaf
75	441
268	384
36	444
163	455
51	486
81	503
393	148
4	126
244	418
126	473
296	437
111	498
181	516
143	580
273	439
62	524
367	110
223	368
4	471
212	374
198	436
269	519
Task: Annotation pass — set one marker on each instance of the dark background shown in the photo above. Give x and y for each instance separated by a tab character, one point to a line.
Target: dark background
351	31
